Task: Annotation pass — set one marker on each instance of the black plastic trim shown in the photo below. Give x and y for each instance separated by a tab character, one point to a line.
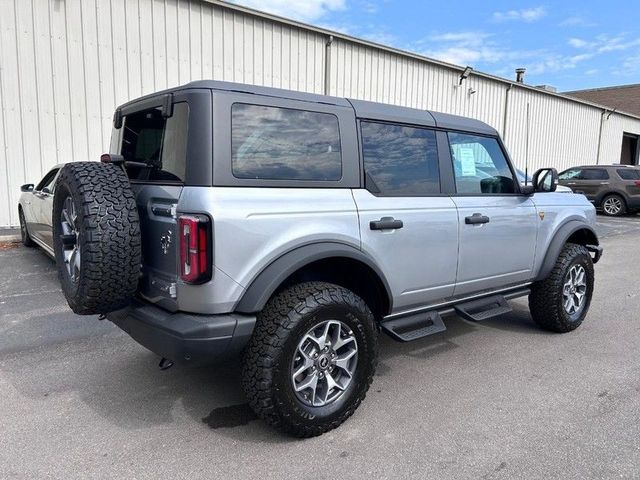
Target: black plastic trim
183	337
559	240
267	281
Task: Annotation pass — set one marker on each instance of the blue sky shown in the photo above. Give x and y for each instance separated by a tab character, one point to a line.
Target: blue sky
570	45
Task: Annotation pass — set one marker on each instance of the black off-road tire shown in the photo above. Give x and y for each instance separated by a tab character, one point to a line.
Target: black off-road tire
108	234
267	359
24	232
546	300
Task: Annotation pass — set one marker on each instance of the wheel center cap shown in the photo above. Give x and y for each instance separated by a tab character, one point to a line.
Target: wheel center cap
323	362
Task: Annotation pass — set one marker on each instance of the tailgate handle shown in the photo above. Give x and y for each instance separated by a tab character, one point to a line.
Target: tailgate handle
385	223
476	219
162	210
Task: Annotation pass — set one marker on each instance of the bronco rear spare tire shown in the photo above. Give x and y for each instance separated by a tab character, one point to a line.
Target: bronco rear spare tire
96	237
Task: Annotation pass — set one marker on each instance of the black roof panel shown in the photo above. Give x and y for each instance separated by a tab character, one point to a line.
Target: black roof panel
363	109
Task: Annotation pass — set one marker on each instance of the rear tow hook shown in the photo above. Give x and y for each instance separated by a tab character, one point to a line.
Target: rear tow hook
165	364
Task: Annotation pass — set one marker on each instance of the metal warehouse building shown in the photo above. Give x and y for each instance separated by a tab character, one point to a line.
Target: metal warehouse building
66	64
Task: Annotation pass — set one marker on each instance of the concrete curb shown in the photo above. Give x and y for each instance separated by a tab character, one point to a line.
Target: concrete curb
10	235
10	238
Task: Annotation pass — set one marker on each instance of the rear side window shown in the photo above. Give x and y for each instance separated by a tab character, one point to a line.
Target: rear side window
274	143
400	160
156	147
594	174
628	174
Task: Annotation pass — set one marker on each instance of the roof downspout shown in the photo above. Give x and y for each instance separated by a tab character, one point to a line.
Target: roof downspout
602	119
506	113
327	66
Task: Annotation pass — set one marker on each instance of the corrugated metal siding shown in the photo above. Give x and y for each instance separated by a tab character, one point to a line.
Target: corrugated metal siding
66	64
561	133
612	130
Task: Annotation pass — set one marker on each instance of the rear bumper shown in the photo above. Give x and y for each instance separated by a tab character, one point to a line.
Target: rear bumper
183	337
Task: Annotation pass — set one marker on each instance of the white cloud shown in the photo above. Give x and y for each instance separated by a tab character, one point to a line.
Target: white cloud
304	10
605	43
576	21
578	43
523	15
467	47
473	48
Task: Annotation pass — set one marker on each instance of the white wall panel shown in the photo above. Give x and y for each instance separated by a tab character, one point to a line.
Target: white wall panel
66	64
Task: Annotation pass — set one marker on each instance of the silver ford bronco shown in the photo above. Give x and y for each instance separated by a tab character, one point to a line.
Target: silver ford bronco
289	229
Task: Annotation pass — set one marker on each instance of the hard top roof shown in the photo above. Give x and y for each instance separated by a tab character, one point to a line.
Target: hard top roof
363	109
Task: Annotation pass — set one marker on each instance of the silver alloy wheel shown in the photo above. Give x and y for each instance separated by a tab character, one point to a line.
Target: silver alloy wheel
324	363
69	237
574	290
612	205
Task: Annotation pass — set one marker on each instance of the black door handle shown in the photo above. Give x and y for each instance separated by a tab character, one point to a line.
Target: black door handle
475	219
385	223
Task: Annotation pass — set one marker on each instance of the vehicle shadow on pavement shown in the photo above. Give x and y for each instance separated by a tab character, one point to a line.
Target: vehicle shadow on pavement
57	357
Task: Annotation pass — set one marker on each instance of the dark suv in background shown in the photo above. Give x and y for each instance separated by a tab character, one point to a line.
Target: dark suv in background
614	189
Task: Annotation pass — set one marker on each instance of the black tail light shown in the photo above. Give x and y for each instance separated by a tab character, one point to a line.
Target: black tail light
195	248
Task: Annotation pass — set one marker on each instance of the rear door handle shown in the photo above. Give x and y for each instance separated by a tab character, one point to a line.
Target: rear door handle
475	219
385	223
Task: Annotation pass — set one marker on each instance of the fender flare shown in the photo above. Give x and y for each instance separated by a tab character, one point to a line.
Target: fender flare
271	277
557	243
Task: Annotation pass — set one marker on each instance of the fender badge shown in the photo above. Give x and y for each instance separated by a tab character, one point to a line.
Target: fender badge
541	215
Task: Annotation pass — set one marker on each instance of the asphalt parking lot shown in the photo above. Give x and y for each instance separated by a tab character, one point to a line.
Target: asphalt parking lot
499	399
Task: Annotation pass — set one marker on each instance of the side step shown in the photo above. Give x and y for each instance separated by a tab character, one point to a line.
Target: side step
484	308
415	326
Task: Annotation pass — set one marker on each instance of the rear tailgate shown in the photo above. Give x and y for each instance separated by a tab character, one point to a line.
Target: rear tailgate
157	207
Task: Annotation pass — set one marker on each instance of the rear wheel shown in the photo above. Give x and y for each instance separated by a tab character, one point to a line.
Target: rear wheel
24	233
614	205
311	358
560	302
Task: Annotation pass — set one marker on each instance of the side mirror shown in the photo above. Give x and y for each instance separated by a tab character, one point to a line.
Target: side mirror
27	187
545	180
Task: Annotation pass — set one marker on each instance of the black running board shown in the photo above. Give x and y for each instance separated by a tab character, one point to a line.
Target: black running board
406	329
484	308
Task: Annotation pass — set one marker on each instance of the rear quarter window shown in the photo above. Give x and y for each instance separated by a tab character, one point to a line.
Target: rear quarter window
628	174
275	143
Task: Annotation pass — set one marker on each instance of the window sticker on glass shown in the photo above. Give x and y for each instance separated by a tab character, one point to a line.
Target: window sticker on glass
467	162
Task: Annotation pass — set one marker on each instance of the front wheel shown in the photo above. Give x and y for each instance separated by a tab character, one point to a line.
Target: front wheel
311	358
560	302
24	233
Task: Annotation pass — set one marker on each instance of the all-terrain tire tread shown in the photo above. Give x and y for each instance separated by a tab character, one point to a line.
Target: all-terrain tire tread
275	323
545	300
109	239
